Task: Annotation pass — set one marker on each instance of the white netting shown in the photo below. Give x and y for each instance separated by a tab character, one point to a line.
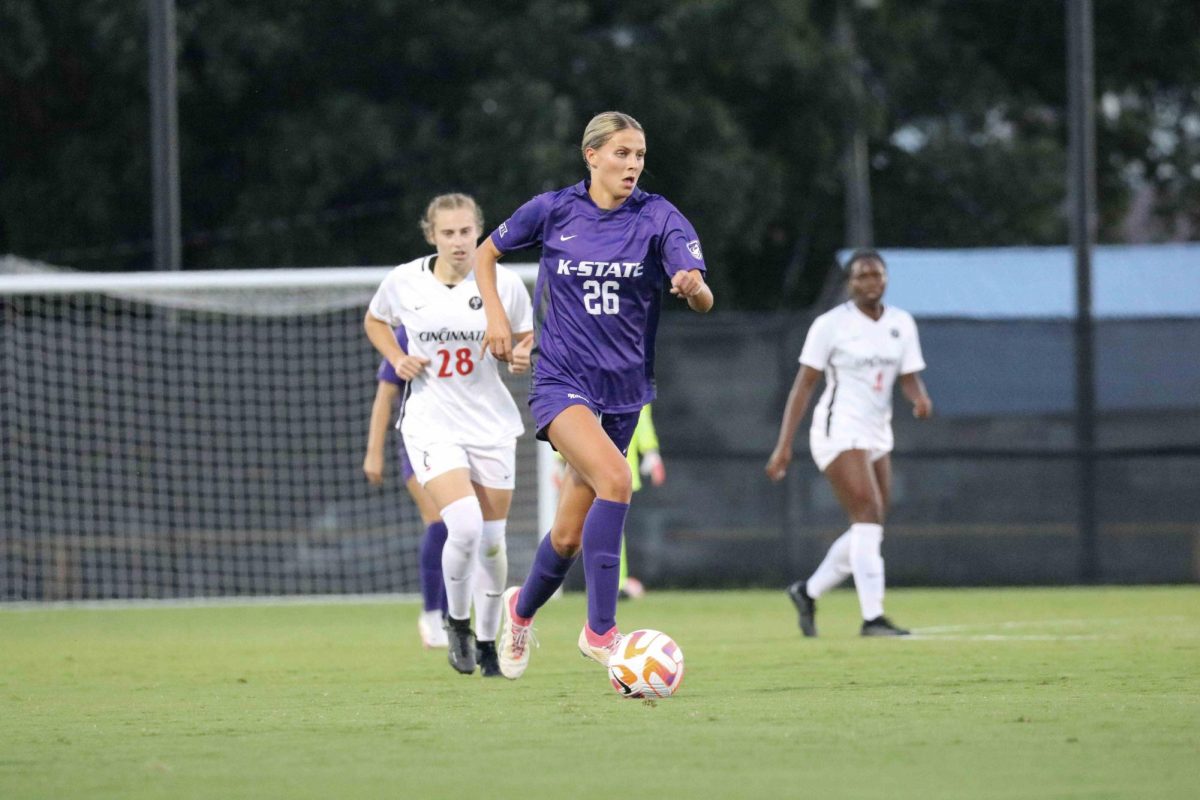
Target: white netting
195	440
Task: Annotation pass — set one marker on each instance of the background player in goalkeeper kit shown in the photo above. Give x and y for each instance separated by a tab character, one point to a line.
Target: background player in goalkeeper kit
861	347
644	459
608	250
433	589
459	422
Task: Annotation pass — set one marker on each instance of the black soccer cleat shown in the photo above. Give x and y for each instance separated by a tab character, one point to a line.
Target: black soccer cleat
461	646
882	626
489	660
806	606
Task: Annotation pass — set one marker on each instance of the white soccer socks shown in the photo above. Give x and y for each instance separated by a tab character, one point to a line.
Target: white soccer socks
866	562
464	529
834	569
491	575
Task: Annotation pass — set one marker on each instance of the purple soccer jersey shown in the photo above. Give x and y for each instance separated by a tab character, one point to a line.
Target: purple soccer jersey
386	374
599	289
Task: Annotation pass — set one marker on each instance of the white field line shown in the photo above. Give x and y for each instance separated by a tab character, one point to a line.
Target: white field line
210	602
934	630
1004	637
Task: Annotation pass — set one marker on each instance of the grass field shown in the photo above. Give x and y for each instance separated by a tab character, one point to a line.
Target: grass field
1067	693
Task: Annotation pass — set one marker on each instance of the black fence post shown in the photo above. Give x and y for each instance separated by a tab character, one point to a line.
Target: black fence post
1082	193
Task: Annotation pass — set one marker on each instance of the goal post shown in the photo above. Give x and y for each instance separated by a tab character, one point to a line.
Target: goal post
201	434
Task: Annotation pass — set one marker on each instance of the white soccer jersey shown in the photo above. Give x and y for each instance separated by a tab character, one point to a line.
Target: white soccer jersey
458	398
861	359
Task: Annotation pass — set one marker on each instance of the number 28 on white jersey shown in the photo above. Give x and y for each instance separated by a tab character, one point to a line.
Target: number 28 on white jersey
459	398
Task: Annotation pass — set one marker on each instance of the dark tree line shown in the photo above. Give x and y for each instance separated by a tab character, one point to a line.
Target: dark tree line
314	133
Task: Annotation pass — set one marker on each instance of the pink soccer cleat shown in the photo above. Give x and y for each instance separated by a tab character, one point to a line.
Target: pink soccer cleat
596	647
516	637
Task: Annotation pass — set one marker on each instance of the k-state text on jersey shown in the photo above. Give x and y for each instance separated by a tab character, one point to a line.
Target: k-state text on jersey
600	269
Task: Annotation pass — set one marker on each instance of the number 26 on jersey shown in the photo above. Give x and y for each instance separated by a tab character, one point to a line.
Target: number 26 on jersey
601	297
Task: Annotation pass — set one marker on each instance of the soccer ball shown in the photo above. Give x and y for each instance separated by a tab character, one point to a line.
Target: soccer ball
646	664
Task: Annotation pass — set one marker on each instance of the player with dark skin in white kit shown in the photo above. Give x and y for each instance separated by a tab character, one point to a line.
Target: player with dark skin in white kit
861	347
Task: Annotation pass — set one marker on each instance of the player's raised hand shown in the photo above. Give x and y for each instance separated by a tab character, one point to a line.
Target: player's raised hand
409	367
522	356
498	338
687	283
777	464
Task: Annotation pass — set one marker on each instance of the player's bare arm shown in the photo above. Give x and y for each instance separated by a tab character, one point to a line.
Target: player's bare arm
498	338
690	286
793	413
384	340
381	412
914	390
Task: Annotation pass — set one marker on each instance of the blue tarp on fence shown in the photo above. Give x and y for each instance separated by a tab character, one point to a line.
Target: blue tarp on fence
1128	281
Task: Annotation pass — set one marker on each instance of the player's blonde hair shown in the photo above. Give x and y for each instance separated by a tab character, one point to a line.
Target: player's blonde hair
602	127
449	202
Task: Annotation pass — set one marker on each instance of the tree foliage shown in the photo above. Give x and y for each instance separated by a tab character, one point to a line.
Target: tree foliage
314	134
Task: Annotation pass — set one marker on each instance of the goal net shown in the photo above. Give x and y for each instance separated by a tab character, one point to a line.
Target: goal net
202	435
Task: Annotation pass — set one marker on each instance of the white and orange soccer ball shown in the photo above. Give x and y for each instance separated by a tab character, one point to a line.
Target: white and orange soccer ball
646	664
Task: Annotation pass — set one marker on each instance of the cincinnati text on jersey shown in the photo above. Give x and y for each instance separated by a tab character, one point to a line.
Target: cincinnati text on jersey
600	269
876	361
447	335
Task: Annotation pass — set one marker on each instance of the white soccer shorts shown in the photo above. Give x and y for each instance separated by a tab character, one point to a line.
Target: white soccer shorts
493	467
825	449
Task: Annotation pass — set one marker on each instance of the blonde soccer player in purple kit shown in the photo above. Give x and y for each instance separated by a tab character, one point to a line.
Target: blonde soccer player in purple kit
608	251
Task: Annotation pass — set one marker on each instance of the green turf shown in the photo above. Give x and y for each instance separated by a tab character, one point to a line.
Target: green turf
1011	694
